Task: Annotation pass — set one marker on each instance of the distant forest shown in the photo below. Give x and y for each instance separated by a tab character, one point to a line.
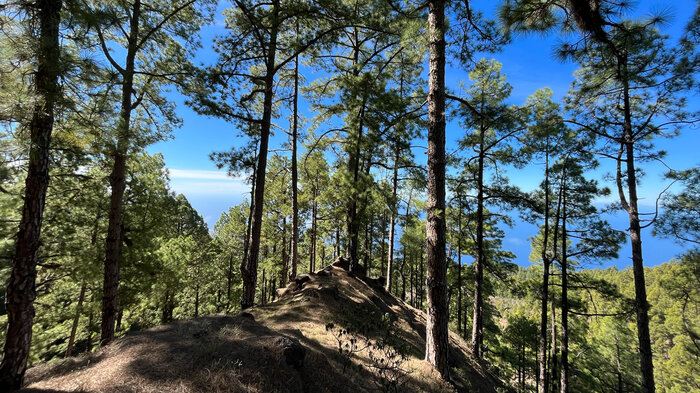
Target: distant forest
94	243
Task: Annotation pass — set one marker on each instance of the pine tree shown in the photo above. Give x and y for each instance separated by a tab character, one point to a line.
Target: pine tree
21	290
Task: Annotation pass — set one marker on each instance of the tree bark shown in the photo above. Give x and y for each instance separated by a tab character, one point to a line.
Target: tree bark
117	181
314	213
635	232
392	220
564	383
229	282
21	289
76	319
436	343
250	272
542	382
480	260
459	267
295	175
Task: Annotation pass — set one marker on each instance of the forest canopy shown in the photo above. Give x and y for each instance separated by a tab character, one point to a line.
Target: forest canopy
388	137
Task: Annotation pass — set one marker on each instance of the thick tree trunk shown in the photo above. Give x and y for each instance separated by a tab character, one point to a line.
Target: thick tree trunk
436	343
117	181
250	272
76	319
353	216
21	289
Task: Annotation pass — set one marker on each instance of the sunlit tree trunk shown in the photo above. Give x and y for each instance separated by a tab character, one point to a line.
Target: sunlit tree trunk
436	345
250	270
117	182
21	288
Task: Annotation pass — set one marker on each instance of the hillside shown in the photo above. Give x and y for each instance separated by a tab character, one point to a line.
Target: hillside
290	345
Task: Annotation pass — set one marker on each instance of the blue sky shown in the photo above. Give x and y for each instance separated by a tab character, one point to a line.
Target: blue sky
528	63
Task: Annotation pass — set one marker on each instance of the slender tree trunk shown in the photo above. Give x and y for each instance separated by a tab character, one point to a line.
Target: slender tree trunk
285	260
480	261
564	386
422	281
392	220
76	319
620	387
383	255
21	289
117	181
553	362
367	251
635	233
263	292
314	213
542	382
295	175
436	343
459	268
403	275
229	282
337	242
411	282
250	270
196	301
91	317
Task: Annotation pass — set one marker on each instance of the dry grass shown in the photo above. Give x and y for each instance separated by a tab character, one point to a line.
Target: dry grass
238	354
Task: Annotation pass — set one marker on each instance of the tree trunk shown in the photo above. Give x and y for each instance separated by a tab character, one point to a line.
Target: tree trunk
117	181
403	274
285	259
480	260
564	386
337	242
392	220
459	268
635	233
436	343
196	301
76	319
250	272
229	282
314	213
421	286
553	373
353	216
619	366
91	317
21	289
542	383
295	175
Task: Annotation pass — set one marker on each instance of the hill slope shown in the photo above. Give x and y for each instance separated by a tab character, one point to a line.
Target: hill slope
313	339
